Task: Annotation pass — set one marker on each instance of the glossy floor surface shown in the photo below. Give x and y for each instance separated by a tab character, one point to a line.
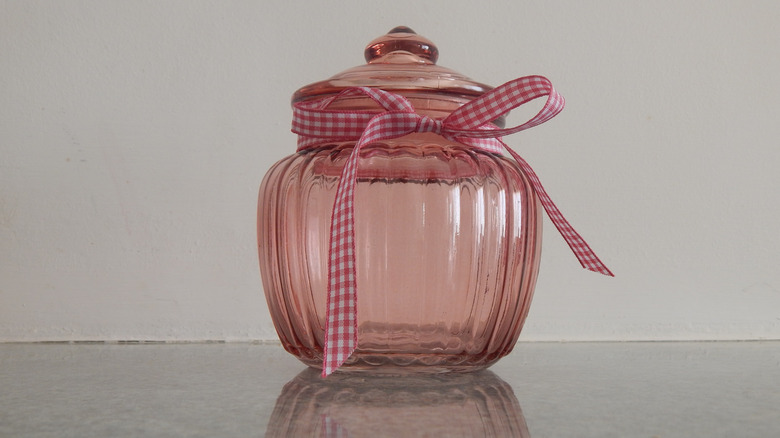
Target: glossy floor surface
682	389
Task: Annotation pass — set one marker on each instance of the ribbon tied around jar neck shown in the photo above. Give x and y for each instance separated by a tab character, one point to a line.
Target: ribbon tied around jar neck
470	125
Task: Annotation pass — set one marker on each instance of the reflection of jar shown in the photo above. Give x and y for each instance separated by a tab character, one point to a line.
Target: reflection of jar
446	236
452	405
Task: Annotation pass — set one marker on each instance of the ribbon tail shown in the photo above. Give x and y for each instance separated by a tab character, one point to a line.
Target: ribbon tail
585	255
341	307
341	325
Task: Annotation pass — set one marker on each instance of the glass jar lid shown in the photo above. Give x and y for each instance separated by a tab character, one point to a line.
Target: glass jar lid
400	61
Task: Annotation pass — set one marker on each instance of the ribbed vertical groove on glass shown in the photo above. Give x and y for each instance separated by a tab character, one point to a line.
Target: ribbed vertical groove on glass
447	253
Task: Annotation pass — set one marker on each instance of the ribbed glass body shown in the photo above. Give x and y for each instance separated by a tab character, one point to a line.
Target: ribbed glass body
447	247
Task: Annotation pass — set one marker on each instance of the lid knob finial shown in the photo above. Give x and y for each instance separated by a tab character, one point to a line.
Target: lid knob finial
402	29
402	39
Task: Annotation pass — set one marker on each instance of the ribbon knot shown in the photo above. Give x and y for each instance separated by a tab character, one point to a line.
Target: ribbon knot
470	124
429	124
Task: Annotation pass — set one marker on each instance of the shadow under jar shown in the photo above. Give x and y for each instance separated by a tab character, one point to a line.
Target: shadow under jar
447	237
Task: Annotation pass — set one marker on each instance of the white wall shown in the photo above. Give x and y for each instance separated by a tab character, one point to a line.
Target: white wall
134	135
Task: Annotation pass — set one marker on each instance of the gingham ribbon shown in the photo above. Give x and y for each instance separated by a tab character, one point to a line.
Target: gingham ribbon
470	125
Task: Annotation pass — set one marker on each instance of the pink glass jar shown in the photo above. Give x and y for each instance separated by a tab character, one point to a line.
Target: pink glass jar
447	236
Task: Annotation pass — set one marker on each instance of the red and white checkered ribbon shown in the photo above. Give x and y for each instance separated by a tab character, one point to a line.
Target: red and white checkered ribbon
470	125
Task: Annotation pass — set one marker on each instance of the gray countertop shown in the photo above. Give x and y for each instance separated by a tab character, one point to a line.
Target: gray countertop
646	389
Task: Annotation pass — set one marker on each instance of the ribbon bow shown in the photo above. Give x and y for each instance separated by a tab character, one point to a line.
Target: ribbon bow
470	125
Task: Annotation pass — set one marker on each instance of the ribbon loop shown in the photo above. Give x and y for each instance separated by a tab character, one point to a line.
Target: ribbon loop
315	123
499	101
